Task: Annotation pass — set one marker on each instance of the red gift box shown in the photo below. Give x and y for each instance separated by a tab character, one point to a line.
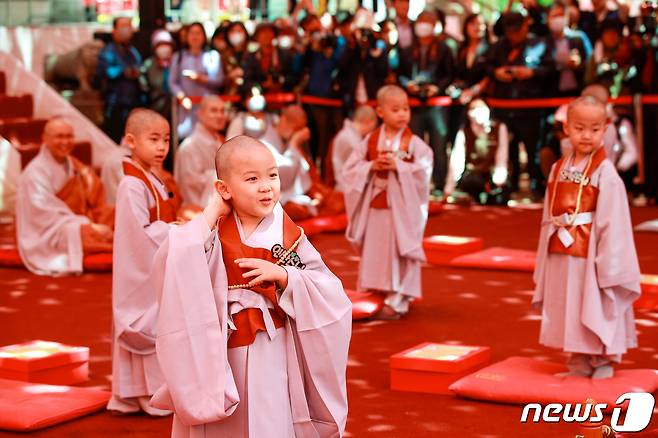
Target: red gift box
432	368
649	297
440	249
45	362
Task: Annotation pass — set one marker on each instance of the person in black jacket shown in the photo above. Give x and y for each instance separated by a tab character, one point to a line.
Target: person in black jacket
520	66
426	70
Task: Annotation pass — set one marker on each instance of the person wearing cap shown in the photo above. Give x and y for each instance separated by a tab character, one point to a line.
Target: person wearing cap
155	73
519	66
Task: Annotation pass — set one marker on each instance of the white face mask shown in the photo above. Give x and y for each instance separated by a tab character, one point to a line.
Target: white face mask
423	30
236	38
285	42
163	52
256	103
557	24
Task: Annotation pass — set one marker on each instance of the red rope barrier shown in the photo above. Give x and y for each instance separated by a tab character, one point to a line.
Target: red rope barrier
439	101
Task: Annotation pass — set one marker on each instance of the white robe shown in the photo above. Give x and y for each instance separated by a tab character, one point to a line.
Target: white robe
289	383
194	166
47	231
390	240
10	170
343	145
135	369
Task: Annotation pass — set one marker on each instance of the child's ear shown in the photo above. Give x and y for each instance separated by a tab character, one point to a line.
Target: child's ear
222	188
129	140
565	128
378	111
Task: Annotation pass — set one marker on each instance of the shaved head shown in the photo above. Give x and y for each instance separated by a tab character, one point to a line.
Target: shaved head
387	92
241	146
141	118
365	113
593	103
210	99
597	91
294	113
56	123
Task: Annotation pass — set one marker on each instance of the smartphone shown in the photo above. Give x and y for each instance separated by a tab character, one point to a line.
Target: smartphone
190	74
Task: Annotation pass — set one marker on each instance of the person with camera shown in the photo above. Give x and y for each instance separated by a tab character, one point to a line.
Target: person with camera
195	71
363	65
520	66
322	51
270	65
426	69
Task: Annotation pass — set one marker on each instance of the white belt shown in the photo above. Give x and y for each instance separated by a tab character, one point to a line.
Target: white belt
565	220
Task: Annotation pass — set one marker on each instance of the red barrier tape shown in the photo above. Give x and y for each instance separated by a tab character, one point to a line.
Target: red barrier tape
439	101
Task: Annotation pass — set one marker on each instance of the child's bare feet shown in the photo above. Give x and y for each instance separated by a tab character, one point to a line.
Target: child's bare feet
603	372
387	313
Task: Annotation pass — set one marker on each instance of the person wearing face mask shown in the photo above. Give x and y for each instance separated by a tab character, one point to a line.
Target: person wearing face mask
426	70
519	67
568	52
155	73
270	67
118	70
233	57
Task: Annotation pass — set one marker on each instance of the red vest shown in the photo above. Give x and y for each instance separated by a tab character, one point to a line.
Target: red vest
380	201
250	321
168	208
566	200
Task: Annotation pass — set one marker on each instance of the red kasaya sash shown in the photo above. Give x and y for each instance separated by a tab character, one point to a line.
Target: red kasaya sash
84	194
250	321
380	201
164	210
566	200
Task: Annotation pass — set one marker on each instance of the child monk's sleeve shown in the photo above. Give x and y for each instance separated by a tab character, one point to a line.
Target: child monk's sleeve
616	259
358	193
192	326
318	329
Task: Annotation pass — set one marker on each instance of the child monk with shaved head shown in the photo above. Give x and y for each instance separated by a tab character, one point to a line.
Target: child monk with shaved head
145	210
253	329
587	274
386	182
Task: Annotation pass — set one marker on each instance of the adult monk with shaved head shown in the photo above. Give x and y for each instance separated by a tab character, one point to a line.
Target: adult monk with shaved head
303	195
194	167
61	213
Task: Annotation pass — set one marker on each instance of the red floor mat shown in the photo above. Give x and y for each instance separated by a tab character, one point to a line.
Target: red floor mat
497	258
102	262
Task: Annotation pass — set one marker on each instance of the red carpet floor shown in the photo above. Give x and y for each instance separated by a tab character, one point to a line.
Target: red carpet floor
464	306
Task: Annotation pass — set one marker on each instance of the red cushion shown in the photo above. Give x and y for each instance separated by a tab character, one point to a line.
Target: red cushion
435	207
98	262
364	304
497	258
440	249
649	297
9	258
321	224
29	406
523	380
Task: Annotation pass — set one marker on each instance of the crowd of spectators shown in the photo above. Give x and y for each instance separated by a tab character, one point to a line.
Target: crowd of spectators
529	52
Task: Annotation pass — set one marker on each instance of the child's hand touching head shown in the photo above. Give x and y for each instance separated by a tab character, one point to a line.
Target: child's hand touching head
587	121
393	107
147	136
248	177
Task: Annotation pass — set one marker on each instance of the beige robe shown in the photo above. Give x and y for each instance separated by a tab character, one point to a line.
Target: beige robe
194	166
47	231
